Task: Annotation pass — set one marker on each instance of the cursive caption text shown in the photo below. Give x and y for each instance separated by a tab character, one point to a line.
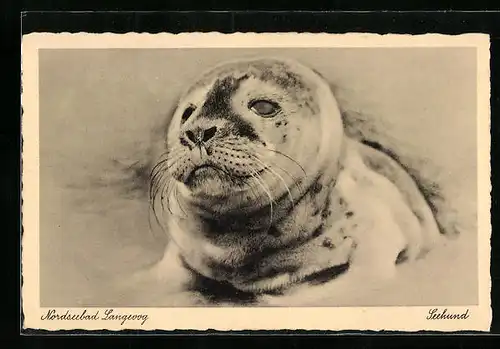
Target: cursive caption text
444	314
84	315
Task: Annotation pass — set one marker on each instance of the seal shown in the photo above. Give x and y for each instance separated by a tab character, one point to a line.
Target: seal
260	189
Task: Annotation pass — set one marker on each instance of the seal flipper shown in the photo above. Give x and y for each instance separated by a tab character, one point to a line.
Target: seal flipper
376	133
386	166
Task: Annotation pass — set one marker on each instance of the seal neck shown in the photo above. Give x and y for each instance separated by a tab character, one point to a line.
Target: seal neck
257	216
253	253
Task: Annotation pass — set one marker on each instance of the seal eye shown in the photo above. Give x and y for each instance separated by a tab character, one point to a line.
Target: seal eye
264	108
187	113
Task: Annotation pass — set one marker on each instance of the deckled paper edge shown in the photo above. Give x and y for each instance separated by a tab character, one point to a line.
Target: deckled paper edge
351	318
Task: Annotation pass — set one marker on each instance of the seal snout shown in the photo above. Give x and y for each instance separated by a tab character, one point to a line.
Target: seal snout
199	136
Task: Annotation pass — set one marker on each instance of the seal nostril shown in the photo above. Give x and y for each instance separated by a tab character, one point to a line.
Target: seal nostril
191	136
209	133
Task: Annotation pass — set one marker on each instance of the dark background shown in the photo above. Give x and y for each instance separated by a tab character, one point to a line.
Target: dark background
393	22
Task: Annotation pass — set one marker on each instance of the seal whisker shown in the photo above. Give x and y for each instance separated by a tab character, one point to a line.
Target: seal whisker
161	182
179	204
157	181
157	219
292	177
152	214
298	184
155	213
288	157
296	181
170	186
270	170
168	158
169	154
155	187
167	187
255	175
158	170
157	177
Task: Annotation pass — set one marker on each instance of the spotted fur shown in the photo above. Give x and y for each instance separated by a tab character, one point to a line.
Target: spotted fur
256	206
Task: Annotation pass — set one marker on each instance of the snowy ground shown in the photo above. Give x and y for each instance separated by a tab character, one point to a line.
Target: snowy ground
95	106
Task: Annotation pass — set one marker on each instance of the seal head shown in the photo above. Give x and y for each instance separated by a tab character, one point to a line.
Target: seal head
244	184
250	131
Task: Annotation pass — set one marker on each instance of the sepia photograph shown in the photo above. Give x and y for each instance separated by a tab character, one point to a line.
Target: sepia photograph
169	179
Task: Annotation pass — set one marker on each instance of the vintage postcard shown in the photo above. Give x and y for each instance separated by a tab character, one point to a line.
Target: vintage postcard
256	182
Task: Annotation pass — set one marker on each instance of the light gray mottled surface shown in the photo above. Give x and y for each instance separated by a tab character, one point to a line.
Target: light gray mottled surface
96	105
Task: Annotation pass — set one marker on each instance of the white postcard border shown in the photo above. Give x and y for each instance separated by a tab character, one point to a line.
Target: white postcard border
351	318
